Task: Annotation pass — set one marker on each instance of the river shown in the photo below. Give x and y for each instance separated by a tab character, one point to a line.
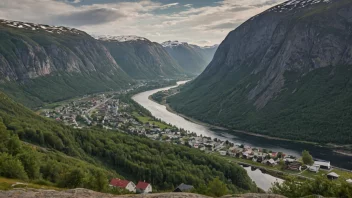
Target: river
292	148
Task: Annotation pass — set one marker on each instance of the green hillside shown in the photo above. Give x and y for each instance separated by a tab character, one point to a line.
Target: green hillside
67	157
292	78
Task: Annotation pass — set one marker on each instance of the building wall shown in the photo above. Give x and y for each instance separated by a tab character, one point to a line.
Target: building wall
147	190
131	187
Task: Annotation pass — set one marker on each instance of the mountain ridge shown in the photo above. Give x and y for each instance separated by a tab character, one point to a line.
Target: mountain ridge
41	63
192	58
142	58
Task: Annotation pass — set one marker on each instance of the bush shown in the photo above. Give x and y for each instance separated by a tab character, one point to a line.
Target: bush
11	167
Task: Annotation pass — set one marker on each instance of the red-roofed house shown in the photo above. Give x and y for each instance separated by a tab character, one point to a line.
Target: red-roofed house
124	184
143	187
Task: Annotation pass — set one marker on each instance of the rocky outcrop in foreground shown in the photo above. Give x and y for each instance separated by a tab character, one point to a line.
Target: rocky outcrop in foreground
85	193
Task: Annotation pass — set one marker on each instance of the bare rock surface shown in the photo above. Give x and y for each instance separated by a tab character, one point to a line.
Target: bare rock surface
85	193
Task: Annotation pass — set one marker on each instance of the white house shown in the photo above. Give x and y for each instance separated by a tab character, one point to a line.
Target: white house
314	168
222	152
124	184
271	162
322	164
143	187
349	181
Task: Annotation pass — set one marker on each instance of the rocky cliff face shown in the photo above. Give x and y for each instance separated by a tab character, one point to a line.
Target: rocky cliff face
30	53
280	67
192	58
141	58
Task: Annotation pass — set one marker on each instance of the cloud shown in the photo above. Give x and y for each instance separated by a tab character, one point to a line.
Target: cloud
166	6
228	25
89	17
267	3
240	8
204	21
73	1
204	42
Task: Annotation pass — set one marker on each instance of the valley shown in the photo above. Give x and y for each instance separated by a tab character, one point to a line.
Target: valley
218	98
113	112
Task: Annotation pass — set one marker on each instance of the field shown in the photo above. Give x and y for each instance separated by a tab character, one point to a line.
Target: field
8	184
144	119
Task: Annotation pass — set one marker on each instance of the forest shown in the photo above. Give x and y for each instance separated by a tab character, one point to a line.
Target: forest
69	158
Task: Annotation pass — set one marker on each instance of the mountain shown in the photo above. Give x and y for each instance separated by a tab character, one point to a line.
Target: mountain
285	73
192	58
141	58
51	153
42	63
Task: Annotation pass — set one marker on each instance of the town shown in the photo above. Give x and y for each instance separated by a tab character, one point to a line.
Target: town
116	111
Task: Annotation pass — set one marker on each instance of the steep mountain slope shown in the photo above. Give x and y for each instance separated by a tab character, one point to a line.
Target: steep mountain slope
285	72
192	58
72	158
41	63
141	58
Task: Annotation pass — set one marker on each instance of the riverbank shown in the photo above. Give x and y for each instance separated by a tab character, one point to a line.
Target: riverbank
186	117
339	149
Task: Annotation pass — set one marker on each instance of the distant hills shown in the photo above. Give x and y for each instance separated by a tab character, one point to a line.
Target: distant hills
285	72
141	58
192	58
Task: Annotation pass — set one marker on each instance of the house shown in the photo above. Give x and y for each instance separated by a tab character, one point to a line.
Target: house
222	152
271	162
245	155
259	158
289	160
143	187
314	168
183	188
294	166
333	175
124	184
322	164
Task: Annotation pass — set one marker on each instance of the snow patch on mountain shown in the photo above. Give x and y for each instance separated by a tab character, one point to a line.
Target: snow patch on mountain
172	43
121	38
296	4
37	27
209	47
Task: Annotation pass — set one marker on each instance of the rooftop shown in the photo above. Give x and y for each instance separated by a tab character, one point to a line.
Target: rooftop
142	185
119	183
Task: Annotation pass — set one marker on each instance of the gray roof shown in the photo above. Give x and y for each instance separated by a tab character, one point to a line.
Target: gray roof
333	174
184	187
321	163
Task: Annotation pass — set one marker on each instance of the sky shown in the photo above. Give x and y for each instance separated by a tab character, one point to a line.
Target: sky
201	22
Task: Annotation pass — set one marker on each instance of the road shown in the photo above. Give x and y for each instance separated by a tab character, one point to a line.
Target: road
96	106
